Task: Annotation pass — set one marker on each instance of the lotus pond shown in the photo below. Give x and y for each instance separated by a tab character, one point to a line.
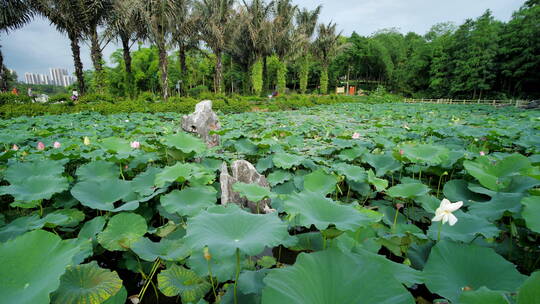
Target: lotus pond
126	208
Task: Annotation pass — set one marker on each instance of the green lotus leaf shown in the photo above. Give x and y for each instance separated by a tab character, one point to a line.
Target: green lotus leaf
379	183
465	230
352	173
251	282
86	284
177	280
31	266
35	188
179	172
19	172
452	266
122	231
320	182
286	161
189	201
101	195
426	153
457	190
168	250
352	153
529	293
410	190
497	176
245	146
328	277
223	268
98	171
185	143
495	208
383	163
143	184
531	212
226	229
310	208
119	298
64	217
116	144
253	192
91	228
482	296
19	226
278	177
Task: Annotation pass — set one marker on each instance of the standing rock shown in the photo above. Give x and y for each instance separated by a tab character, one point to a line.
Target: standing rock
202	121
244	172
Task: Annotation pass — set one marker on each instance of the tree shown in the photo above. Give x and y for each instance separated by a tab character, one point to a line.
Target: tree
284	42
13	15
68	16
186	36
159	17
306	22
97	14
215	17
325	48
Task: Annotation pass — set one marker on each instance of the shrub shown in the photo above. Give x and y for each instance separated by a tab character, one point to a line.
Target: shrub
60	98
9	98
148	97
197	91
96	97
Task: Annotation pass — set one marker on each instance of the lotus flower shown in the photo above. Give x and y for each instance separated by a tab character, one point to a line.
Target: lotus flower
41	146
401	152
356	135
15	148
482	153
135	144
444	212
57	145
86	141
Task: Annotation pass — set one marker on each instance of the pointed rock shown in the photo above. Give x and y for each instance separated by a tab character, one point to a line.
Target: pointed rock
244	172
202	121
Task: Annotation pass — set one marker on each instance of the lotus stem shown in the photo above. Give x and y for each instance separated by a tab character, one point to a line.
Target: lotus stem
121	172
439	233
211	279
149	279
237	275
395	220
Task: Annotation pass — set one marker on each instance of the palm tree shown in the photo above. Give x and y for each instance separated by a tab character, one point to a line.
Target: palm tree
284	41
97	12
124	24
215	17
159	17
325	48
186	36
252	38
13	14
68	16
306	21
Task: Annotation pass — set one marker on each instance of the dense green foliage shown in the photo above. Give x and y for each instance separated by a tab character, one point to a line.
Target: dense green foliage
110	201
479	58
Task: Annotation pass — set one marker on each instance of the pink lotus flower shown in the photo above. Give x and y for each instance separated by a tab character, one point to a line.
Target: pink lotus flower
356	135
482	153
135	144
56	145
41	146
399	206
401	152
15	148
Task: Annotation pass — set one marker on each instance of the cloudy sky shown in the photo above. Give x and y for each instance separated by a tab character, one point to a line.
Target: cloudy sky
38	46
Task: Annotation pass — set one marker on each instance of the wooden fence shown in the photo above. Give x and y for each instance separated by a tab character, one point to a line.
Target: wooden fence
516	102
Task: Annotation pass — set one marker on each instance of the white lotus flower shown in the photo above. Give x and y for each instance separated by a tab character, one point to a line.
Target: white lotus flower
444	212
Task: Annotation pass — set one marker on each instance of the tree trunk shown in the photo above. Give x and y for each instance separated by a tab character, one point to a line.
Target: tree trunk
281	76
97	59
3	78
304	74
324	79
219	72
163	64
76	53
257	77
183	68
130	90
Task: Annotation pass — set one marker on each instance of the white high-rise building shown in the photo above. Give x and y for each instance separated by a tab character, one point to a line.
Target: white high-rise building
59	77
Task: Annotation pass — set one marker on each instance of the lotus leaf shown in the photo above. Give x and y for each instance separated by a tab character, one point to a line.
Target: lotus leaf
177	280
122	231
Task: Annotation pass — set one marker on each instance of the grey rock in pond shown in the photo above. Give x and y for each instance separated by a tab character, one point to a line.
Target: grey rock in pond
244	172
202	121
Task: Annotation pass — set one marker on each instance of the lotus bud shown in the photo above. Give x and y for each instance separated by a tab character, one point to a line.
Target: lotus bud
207	255
356	135
15	148
86	141
56	145
482	153
135	144
41	146
401	152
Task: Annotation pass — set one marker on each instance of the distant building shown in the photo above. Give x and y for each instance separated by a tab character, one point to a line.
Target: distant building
59	77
